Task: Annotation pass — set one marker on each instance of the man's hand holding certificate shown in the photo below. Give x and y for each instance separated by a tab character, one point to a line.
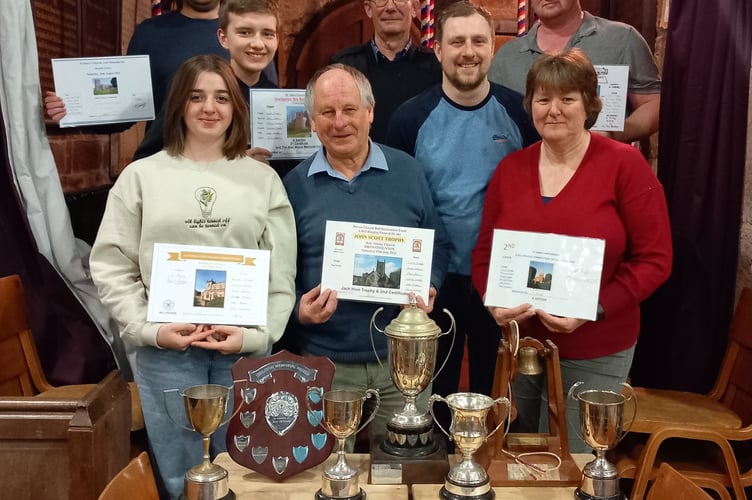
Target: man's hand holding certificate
375	263
208	285
558	274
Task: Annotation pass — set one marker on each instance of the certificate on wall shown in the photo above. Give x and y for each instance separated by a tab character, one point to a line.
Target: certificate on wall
613	81
99	90
556	273
209	285
279	123
375	263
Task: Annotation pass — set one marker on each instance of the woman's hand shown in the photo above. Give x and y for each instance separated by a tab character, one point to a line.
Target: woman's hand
559	324
503	315
179	336
223	338
317	307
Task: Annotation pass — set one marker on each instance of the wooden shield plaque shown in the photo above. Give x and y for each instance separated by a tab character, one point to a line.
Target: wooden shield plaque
277	427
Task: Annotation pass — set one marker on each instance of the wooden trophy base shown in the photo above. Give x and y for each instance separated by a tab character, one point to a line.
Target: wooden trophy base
387	468
505	471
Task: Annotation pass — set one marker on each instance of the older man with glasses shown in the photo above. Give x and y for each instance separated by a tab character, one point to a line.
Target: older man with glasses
396	68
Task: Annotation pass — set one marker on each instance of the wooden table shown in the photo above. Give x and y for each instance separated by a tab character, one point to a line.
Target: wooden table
248	484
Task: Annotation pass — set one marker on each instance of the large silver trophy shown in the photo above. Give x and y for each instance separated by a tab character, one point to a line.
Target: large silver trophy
602	425
205	407
467	479
413	342
342	412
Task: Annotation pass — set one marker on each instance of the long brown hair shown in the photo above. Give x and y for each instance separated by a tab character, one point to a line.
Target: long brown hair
237	136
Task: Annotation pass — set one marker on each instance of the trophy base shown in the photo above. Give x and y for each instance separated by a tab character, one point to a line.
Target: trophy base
230	496
454	491
423	468
361	495
581	495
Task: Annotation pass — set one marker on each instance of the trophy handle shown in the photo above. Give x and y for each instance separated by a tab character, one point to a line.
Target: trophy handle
634	409
167	410
570	394
370	329
368	394
452	329
231	390
506	403
431	401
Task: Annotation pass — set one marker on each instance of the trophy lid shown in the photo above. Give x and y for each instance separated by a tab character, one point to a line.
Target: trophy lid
412	323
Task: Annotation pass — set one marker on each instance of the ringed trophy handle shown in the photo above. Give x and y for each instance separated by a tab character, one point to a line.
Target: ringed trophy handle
431	401
506	403
369	393
370	330
570	394
453	329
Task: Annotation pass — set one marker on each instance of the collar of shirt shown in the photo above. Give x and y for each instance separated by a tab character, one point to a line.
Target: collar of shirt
375	159
399	55
587	28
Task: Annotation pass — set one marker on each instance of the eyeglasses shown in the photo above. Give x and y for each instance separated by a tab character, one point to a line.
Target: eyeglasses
382	3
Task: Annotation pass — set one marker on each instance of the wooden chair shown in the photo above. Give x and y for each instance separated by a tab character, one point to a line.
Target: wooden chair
694	432
136	480
21	371
671	484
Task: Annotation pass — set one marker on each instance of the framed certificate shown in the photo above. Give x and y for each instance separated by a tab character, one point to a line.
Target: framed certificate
556	273
208	285
99	90
376	263
279	123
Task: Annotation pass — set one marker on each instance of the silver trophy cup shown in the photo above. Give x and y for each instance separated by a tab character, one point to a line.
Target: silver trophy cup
342	413
205	407
602	426
467	479
413	342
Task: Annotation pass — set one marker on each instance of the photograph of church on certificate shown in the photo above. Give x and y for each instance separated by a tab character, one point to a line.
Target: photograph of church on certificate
209	288
540	275
377	271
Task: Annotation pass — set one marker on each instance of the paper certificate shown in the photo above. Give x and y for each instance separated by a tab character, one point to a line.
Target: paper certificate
279	123
99	90
376	263
208	285
559	274
613	82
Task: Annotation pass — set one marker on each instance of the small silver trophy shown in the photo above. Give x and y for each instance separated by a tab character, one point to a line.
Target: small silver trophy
602	426
469	410
205	406
342	412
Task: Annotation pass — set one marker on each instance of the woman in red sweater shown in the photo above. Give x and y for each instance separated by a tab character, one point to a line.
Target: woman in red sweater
577	183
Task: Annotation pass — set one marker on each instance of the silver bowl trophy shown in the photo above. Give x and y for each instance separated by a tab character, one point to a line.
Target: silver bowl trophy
205	407
408	453
602	426
467	479
342	413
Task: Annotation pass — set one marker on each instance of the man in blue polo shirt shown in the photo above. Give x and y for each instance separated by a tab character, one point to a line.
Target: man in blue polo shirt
353	179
